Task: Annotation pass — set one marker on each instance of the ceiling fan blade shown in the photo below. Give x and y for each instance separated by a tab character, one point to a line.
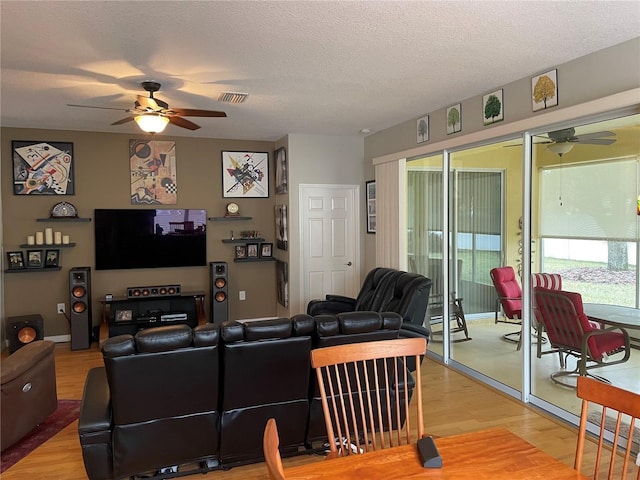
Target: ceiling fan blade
597	141
589	136
191	112
101	108
124	120
183	122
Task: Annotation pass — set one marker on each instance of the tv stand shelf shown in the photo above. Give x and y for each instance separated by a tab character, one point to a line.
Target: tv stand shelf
48	245
243	240
122	315
225	219
63	219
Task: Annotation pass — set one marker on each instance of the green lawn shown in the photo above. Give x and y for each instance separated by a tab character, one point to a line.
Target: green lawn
593	291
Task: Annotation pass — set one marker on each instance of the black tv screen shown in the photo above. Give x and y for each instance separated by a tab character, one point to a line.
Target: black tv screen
150	238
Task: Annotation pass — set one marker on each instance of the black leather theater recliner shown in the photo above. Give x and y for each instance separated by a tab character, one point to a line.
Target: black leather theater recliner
385	290
266	374
365	300
154	404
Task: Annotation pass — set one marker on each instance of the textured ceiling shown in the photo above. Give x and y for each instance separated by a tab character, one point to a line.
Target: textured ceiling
316	67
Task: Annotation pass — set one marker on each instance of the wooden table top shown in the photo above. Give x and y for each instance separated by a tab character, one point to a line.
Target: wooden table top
487	454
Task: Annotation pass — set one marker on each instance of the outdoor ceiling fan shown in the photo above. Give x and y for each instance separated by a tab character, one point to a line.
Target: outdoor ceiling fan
152	114
562	141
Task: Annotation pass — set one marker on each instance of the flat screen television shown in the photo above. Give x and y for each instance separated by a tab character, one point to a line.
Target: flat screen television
150	238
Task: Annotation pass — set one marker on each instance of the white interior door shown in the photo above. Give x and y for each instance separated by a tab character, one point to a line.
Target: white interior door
329	219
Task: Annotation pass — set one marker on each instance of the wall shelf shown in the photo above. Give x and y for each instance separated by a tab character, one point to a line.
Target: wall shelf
247	260
48	245
63	219
242	240
225	219
29	270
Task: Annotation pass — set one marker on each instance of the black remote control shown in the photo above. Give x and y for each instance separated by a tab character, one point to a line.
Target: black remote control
429	453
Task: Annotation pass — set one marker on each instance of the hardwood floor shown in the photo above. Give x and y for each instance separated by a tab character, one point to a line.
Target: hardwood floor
453	403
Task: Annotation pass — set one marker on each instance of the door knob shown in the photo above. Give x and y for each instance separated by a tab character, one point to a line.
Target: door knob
348	264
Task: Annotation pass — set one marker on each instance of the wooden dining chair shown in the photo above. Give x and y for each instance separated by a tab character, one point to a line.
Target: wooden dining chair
270	444
366	394
626	406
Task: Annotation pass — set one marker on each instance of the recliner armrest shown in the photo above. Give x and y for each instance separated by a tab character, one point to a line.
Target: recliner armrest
340	298
331	307
94	426
95	411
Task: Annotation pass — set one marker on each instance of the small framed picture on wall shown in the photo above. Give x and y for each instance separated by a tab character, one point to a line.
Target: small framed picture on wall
371	206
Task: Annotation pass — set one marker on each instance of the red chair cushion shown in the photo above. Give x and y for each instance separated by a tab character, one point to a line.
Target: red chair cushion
509	291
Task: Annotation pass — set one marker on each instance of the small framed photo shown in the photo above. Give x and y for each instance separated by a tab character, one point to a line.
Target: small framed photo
34	259
16	260
371	206
252	250
52	258
124	315
241	251
266	250
544	90
422	129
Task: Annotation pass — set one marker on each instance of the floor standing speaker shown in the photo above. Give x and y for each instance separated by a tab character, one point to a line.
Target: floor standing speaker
219	292
24	329
80	307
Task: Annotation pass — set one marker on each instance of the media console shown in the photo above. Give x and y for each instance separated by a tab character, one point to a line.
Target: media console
123	315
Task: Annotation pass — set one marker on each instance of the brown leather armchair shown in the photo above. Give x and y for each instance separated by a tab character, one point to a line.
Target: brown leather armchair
28	390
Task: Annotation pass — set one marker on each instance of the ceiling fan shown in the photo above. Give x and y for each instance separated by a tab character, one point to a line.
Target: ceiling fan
152	114
562	141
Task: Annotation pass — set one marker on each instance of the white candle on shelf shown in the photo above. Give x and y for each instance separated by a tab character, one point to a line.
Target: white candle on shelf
48	236
39	238
31	240
65	239
57	238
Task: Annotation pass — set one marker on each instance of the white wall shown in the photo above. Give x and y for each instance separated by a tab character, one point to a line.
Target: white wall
319	159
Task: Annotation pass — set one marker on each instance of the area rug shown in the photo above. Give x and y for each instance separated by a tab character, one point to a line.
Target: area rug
67	412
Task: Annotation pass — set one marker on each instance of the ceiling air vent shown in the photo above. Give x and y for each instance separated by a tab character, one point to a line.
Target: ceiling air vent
232	97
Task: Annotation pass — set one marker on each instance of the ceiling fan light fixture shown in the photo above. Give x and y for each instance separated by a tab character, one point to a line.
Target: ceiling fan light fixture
152	123
560	148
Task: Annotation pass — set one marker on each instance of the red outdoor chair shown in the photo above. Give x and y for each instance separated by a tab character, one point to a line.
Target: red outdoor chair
552	281
571	333
509	297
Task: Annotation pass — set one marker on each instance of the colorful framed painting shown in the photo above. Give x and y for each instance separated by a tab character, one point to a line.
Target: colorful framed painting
544	90
245	174
493	107
42	168
152	166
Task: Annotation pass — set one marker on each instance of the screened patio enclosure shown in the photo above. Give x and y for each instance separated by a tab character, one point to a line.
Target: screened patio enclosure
517	202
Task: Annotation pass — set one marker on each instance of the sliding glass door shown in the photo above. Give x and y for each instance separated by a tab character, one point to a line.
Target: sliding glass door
585	228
